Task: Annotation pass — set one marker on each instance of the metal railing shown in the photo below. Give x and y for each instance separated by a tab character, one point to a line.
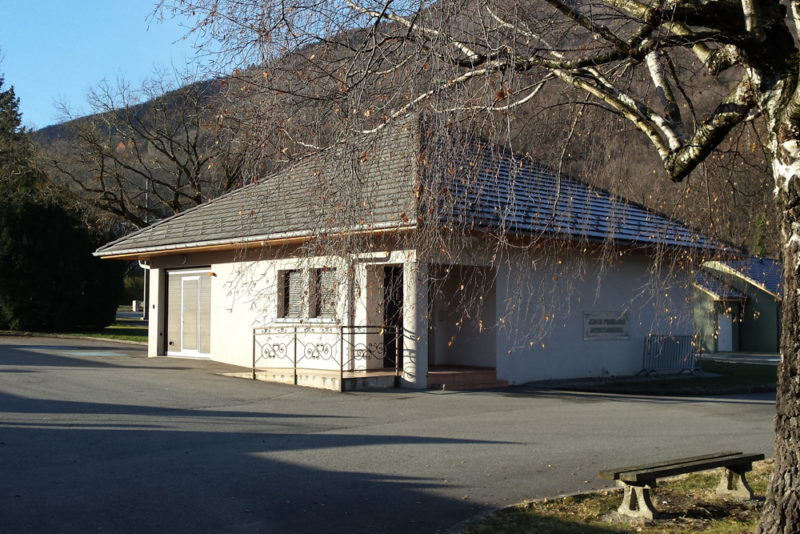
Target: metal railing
341	348
668	353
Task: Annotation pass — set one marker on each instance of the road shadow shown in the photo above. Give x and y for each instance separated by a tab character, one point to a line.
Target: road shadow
74	475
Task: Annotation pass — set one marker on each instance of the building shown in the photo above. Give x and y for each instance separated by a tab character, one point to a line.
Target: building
406	253
737	305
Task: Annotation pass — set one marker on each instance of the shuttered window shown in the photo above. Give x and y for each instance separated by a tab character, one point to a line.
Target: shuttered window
292	293
325	293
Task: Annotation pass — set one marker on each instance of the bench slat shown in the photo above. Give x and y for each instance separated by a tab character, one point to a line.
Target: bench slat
690	467
680	466
613	474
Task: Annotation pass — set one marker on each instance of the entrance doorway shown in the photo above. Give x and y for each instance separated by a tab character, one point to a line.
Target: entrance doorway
188	313
724	333
393	316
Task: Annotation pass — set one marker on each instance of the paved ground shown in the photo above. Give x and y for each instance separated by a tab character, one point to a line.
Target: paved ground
95	438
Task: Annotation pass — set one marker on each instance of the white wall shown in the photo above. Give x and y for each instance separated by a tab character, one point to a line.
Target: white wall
244	296
464	316
541	305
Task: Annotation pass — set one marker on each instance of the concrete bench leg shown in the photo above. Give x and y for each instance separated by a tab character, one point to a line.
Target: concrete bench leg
733	485
636	503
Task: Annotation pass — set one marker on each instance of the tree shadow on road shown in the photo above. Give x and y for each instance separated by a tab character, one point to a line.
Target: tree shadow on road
133	470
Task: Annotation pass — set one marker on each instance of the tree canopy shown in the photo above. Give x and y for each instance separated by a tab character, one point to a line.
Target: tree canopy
49	279
147	153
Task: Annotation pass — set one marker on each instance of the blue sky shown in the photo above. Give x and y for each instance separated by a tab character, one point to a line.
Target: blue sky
53	51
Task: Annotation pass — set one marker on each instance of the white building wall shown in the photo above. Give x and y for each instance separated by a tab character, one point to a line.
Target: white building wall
463	317
539	305
155	325
244	296
541	308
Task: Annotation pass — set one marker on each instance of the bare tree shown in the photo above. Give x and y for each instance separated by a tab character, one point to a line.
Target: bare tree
687	75
149	153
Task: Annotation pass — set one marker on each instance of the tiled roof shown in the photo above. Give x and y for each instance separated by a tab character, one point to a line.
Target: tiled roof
519	197
489	191
298	200
765	273
716	287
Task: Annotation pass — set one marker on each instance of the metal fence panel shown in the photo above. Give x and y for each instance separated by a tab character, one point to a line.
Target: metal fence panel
668	353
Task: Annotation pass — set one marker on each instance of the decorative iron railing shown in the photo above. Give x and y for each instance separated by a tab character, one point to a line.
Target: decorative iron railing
668	353
337	348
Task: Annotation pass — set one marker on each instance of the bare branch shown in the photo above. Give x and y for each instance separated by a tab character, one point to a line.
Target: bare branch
671	110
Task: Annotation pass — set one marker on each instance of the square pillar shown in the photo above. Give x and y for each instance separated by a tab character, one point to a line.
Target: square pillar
415	324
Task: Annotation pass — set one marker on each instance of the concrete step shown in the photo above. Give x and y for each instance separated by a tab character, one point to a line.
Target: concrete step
464	379
368	382
325	379
482	385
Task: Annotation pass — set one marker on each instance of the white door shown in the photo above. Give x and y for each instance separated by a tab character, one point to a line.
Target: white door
188	313
190	316
724	333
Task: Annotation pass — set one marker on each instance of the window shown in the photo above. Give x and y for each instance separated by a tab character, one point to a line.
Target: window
324	288
605	325
290	291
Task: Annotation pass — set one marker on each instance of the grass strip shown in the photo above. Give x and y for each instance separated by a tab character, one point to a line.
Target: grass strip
687	503
727	379
121	330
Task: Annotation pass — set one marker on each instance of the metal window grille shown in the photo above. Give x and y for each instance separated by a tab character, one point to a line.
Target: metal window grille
292	293
325	293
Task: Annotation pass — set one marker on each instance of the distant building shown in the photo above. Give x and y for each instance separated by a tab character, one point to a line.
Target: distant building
737	305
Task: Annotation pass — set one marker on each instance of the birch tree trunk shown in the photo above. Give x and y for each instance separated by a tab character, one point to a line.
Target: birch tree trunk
781	512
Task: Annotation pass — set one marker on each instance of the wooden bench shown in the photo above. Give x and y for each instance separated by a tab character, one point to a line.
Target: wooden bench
637	480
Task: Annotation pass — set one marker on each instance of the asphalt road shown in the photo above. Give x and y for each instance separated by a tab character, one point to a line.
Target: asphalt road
96	438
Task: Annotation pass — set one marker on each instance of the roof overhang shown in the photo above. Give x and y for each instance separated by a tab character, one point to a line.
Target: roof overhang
257	242
733	272
717	297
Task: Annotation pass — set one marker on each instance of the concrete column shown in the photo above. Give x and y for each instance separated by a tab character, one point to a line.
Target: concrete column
415	325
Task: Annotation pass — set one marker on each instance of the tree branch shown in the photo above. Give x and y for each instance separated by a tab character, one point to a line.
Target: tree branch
733	109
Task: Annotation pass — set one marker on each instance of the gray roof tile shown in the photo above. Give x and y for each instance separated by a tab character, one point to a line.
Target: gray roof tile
763	272
716	287
313	194
519	197
489	191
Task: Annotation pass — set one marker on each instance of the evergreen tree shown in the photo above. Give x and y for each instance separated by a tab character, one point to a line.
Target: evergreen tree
49	279
19	176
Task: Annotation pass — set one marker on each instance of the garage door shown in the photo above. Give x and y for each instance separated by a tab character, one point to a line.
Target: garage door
189	313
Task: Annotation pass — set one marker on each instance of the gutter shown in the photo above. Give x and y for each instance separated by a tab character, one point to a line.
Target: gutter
261	241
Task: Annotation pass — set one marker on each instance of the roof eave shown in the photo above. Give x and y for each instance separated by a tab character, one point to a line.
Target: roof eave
730	270
262	241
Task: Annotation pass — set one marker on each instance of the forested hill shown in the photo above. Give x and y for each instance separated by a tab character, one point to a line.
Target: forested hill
209	89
